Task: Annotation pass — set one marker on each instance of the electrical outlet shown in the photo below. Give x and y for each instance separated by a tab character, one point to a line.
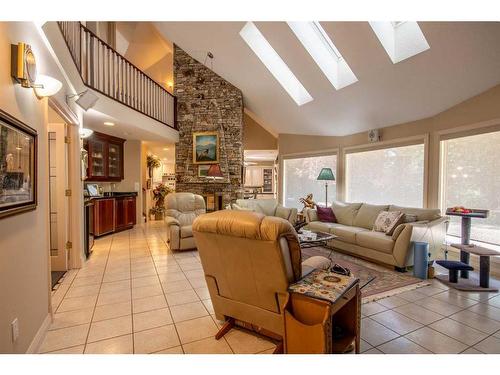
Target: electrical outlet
15	330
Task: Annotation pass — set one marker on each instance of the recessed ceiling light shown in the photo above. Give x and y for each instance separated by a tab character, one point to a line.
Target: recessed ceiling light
108	123
274	63
165	149
321	48
400	39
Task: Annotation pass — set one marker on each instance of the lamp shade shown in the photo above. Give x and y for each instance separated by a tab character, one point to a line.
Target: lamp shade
326	174
214	171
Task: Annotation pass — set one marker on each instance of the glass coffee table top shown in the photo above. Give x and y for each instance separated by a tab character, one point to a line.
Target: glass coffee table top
308	238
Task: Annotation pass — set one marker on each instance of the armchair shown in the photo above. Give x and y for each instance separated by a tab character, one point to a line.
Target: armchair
249	260
181	210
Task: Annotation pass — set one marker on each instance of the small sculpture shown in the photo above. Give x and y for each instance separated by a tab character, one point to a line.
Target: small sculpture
307	202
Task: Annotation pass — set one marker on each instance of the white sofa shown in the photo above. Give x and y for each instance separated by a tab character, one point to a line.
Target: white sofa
355	235
268	207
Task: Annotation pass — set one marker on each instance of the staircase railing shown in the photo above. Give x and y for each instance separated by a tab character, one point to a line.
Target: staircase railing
106	71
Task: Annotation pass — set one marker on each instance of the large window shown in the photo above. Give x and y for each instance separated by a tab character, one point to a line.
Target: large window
299	179
386	176
470	177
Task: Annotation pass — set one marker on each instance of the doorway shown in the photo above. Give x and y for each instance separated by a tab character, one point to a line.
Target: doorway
59	204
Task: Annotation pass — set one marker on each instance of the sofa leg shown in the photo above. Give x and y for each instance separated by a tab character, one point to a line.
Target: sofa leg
400	269
226	327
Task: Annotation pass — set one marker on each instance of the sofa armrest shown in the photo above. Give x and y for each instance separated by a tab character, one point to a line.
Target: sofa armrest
169	220
310	214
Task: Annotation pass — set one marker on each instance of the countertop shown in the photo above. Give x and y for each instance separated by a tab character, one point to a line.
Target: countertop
116	194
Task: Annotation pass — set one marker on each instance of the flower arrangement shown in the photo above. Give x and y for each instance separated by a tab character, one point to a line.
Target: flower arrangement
159	194
152	162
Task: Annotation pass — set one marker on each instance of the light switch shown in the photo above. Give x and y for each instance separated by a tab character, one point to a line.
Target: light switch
136	186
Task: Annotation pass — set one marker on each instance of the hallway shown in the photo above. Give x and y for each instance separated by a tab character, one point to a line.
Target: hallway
136	296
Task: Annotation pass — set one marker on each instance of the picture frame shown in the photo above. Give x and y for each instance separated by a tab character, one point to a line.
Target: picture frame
205	148
18	166
203	170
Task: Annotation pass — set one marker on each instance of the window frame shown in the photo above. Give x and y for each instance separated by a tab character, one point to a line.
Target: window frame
303	155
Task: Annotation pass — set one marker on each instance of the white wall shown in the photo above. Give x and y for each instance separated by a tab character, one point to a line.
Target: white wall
24	254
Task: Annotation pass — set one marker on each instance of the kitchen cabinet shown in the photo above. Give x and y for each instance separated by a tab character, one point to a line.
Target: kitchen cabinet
104	216
253	176
256	176
105	157
114	214
125	213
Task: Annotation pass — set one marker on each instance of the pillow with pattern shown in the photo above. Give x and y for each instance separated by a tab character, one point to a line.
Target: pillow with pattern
387	221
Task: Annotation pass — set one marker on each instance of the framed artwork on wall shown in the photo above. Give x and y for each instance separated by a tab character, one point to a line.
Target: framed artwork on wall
203	170
205	148
18	174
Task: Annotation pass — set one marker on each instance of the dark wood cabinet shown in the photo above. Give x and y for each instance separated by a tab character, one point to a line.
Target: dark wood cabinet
114	214
104	216
125	213
105	157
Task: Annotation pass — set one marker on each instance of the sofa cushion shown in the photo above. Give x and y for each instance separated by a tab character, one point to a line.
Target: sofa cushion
345	212
322	227
326	215
347	233
187	231
282	212
376	241
422	213
264	206
367	213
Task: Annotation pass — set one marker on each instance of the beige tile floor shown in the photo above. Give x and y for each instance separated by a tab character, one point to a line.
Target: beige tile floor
136	296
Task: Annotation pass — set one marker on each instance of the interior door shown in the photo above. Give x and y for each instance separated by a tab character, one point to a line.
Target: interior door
59	202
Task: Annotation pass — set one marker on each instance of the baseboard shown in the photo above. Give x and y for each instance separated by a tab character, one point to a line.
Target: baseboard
40	335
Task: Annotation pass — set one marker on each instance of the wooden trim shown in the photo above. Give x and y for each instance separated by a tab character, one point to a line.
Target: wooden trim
397	142
470	129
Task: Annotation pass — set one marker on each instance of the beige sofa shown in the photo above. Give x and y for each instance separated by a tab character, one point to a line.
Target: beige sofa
249	260
268	207
355	236
181	210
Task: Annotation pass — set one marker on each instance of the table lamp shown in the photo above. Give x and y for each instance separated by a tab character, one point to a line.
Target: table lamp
214	172
326	175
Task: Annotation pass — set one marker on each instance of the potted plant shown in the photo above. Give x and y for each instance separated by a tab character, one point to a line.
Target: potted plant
159	194
152	162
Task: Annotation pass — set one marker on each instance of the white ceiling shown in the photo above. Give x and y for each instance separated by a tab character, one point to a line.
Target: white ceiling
463	61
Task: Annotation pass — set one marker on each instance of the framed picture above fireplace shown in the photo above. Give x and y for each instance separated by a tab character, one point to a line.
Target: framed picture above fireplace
18	181
205	148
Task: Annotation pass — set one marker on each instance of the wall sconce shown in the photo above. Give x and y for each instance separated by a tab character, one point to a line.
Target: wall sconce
24	71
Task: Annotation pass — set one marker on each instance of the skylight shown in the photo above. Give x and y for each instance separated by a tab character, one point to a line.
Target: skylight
274	63
400	39
321	48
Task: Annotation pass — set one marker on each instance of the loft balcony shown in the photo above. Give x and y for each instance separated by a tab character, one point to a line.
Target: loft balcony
105	71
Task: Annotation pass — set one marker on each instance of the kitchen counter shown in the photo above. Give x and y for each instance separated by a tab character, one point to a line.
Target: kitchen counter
115	194
113	211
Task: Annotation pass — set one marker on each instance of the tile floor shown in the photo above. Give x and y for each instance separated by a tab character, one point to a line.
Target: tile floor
135	296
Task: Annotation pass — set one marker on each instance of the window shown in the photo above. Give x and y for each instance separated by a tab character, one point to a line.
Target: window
299	179
274	63
400	39
321	48
470	177
386	176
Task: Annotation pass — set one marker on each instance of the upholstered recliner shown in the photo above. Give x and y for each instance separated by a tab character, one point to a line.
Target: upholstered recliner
181	210
249	260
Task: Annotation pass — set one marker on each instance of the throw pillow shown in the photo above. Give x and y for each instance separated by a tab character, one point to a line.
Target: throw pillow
326	215
387	221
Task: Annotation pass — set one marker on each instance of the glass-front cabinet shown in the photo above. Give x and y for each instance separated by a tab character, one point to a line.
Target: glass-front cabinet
105	157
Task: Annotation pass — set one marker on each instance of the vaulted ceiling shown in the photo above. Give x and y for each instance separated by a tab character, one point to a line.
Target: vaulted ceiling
463	61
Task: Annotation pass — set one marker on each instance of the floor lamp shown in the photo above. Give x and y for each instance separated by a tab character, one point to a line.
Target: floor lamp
326	175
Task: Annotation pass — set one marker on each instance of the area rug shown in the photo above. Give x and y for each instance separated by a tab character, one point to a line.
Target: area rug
375	281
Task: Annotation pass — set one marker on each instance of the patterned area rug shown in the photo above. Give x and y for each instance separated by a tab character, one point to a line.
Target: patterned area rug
376	281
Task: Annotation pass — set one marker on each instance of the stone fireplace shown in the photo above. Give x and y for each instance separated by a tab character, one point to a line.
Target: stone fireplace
206	102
